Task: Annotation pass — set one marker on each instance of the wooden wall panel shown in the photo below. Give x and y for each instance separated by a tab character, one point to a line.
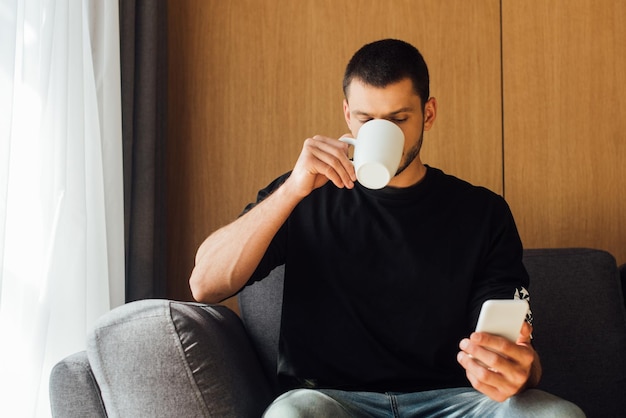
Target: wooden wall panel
251	80
565	121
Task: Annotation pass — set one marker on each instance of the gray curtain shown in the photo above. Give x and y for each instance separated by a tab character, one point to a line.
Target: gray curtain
143	49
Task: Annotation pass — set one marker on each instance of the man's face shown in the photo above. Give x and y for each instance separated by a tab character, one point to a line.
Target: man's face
397	103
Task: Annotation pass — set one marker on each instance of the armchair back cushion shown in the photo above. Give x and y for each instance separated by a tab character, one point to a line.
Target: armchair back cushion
580	327
260	306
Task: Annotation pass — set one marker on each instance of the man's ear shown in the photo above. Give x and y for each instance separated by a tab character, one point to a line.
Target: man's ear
346	111
430	113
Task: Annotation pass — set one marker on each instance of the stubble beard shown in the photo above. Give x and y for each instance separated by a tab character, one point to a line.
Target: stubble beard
411	154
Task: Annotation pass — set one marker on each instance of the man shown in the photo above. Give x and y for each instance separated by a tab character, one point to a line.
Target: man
382	287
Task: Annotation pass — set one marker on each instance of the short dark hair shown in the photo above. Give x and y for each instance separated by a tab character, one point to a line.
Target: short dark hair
388	61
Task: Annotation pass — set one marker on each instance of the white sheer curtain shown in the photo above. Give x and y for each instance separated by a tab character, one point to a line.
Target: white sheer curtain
61	207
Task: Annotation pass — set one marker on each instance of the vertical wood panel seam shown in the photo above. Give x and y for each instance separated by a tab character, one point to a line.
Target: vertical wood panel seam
502	162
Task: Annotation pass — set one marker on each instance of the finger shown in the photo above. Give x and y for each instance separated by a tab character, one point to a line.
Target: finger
350	167
512	361
486	380
484	357
339	150
334	160
483	379
318	165
498	393
525	336
499	345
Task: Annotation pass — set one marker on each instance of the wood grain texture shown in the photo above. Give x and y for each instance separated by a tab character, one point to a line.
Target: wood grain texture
565	122
251	80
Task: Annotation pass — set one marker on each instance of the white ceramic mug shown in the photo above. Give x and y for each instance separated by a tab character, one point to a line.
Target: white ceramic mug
377	152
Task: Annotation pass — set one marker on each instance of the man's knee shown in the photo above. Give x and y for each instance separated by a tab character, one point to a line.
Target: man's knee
305	403
537	403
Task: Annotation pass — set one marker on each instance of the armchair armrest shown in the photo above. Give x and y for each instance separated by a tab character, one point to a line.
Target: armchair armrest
165	358
73	389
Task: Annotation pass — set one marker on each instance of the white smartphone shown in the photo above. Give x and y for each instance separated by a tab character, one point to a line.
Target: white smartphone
502	317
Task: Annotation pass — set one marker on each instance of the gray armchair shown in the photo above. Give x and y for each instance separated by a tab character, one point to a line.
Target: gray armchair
164	358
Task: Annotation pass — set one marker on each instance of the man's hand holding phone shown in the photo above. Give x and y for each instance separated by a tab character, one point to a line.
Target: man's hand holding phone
498	358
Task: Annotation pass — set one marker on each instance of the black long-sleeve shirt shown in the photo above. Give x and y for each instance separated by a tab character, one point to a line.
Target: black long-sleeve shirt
381	285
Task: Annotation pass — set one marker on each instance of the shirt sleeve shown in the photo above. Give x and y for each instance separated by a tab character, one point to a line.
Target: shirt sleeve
502	274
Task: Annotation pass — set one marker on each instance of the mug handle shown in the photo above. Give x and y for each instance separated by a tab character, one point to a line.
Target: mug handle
347	140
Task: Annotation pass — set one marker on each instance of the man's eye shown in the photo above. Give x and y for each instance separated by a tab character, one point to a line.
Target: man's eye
398	120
